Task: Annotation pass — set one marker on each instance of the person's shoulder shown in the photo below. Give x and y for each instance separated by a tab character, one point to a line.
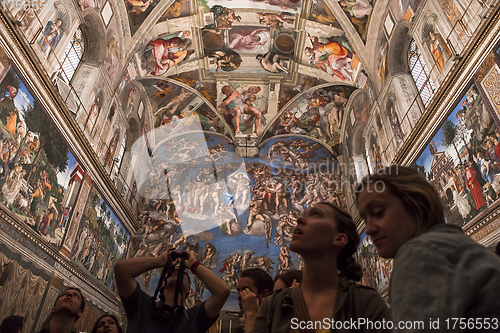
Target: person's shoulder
197	318
368	301
197	307
445	243
280	293
361	288
198	310
277	297
137	295
360	291
439	239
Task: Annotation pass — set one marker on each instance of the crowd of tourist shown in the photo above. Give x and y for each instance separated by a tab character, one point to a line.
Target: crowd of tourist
442	280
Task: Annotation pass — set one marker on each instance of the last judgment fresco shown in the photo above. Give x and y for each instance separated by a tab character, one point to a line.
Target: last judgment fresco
205	198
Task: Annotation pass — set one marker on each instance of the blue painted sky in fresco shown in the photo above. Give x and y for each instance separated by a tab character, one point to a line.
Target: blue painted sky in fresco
23	97
21	101
64	177
426	158
118	226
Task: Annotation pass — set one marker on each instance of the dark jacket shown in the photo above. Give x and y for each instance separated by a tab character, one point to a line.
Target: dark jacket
353	301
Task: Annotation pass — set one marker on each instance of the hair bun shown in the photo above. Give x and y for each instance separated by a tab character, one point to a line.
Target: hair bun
352	270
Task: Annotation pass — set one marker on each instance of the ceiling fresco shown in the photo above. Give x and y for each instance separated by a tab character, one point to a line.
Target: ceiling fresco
304	82
359	13
138	11
222	75
293	6
333	55
246	62
178	108
206	89
253	38
179	8
317	113
249	41
165	51
321	13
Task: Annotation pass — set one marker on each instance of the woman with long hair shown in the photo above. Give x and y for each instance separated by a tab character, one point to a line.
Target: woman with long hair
439	273
326	238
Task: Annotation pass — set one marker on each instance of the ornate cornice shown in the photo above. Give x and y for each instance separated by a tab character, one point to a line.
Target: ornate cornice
476	225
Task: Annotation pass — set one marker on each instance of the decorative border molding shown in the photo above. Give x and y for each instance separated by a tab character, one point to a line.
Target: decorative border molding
491	85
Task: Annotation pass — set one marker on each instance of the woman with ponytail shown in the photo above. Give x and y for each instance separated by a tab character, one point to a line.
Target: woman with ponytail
326	238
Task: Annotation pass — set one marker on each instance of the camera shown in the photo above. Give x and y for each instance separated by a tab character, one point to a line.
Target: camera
164	310
183	255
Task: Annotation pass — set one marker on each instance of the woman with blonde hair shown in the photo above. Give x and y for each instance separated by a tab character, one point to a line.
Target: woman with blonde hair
326	238
439	273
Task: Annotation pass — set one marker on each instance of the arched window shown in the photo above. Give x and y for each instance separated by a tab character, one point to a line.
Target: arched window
367	159
72	57
118	164
420	74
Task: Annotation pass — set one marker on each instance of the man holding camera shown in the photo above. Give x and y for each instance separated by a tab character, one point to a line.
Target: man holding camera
144	316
